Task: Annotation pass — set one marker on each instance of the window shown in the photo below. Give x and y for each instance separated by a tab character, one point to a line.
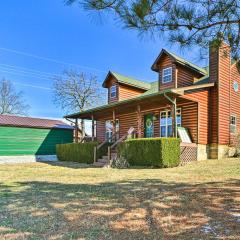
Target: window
167	75
113	91
166	129
233	124
179	117
109	130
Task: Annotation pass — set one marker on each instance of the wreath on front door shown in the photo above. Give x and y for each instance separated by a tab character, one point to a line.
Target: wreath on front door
149	123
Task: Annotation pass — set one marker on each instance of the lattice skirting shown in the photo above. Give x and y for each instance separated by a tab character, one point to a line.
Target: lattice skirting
188	153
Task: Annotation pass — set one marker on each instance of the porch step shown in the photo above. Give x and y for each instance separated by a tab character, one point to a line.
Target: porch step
99	164
105	157
103	160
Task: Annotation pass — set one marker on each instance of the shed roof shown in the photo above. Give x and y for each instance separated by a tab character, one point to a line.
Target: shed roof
17	121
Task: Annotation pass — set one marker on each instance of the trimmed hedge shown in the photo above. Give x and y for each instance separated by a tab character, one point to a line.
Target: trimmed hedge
76	152
158	152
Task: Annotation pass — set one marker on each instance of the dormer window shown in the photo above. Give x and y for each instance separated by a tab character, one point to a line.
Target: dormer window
167	75
113	91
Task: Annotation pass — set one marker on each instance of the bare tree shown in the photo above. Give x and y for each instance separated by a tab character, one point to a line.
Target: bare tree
75	91
11	102
187	22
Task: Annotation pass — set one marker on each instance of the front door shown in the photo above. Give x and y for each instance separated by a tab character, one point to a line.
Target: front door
109	130
148	126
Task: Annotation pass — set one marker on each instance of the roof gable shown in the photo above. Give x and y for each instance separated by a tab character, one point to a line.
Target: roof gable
127	81
179	60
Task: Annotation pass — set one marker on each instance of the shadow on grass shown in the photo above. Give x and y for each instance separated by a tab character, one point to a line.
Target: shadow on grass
76	165
73	165
140	209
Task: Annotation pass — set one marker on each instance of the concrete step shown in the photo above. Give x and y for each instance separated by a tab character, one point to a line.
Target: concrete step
102	160
105	157
99	164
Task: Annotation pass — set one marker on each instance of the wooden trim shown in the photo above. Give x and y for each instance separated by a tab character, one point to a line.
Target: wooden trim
229	106
93	128
83	128
188	144
198	121
176	77
218	87
76	130
194	87
139	121
114	125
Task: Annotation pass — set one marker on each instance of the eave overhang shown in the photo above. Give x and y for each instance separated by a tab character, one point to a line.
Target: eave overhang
171	92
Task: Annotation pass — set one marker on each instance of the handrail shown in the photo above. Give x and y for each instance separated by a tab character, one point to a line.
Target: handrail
83	139
129	132
106	141
102	144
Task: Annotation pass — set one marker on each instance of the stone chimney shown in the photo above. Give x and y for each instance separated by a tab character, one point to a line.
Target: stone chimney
219	73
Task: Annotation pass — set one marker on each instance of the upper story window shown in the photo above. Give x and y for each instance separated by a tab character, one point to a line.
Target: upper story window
167	75
113	91
233	124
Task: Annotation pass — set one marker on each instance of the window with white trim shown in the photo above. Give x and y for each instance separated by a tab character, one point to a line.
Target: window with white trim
166	122
113	91
167	75
233	124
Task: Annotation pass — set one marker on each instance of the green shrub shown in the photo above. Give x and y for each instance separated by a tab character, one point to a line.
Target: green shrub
159	152
76	152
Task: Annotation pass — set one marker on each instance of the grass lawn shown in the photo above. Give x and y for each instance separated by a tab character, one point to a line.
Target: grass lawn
69	201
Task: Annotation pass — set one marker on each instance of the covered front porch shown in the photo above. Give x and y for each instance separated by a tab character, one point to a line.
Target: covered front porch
157	116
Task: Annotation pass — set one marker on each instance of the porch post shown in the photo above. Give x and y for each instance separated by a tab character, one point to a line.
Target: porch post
82	128
176	78
114	125
174	113
76	130
139	121
93	129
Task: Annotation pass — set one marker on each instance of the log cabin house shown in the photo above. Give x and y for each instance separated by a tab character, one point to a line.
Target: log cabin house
205	101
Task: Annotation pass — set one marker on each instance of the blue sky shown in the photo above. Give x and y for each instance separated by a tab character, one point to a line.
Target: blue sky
69	35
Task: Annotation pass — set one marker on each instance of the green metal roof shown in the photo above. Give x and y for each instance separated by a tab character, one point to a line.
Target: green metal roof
148	94
203	80
181	61
114	104
154	89
128	80
187	63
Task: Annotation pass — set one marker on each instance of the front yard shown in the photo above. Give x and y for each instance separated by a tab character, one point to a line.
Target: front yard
68	201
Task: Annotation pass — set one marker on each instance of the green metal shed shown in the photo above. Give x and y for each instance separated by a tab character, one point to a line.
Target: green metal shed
32	136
